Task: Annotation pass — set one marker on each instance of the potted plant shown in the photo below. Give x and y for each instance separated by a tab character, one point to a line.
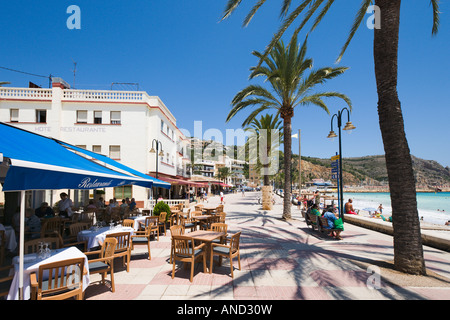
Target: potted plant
162	207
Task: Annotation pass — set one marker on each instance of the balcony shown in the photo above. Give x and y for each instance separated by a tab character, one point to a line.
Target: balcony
103	95
25	93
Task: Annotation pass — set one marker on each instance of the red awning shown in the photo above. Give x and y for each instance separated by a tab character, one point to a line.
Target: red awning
174	181
184	182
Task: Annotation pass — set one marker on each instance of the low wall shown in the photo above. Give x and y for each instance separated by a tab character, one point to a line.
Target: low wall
428	238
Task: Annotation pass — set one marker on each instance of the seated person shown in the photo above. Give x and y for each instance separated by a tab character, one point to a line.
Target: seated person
331	218
91	206
132	204
32	224
65	206
349	207
315	210
44	211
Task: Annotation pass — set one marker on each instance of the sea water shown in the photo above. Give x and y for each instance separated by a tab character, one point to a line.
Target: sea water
432	207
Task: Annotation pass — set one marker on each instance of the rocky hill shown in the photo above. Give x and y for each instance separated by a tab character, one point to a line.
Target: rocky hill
372	170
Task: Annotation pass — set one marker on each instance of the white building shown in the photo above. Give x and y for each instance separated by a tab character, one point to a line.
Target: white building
123	125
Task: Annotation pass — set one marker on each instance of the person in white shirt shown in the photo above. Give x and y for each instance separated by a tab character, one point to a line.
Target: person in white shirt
221	197
65	205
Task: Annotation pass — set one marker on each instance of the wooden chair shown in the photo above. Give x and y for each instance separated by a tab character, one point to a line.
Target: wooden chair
51	225
105	262
198	207
188	223
177	230
196	213
219	227
142	237
153	222
6	281
123	247
63	281
229	251
186	252
32	246
162	222
115	215
222	216
72	238
219	208
128	223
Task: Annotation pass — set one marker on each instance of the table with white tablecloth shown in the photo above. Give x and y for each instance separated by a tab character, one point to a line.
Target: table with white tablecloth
32	263
10	237
137	221
95	236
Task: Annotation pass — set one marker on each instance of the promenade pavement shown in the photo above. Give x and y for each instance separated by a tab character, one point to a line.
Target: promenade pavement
280	260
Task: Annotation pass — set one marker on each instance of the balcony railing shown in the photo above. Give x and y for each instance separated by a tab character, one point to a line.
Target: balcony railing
26	93
103	95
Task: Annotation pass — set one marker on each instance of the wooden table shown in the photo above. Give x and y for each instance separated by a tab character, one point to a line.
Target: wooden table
209	210
206	237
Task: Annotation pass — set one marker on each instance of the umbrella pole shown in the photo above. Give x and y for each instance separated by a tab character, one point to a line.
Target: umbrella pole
21	242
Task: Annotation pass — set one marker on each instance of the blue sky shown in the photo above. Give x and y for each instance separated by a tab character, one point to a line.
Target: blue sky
180	51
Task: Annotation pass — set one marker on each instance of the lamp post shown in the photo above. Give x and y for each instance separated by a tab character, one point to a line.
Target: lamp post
348	126
160	153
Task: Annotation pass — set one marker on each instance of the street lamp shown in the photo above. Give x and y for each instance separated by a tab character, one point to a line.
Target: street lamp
348	127
160	153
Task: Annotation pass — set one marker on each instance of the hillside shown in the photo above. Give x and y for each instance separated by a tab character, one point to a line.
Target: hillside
372	170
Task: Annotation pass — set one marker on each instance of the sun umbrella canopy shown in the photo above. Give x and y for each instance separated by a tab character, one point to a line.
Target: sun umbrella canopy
35	162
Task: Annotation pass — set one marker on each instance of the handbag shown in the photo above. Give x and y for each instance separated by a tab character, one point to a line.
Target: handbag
339	224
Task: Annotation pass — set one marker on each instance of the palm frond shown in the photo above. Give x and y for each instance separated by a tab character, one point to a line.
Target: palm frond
286	24
321	15
230	7
436	14
356	23
252	12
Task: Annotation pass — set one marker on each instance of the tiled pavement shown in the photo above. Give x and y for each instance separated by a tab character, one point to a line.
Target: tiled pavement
279	261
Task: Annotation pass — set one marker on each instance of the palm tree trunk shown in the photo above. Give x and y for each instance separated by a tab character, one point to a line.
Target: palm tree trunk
408	251
266	178
287	128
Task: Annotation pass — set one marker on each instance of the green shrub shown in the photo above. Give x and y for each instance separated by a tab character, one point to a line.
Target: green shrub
162	207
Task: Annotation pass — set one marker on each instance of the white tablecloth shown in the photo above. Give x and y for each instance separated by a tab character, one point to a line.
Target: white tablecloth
95	237
32	263
137	220
10	237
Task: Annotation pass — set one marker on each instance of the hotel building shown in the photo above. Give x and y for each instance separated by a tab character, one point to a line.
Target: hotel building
123	125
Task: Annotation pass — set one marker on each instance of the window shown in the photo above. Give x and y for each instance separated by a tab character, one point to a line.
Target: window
123	192
41	116
114	152
162	125
98	117
81	146
81	116
14	115
97	149
115	117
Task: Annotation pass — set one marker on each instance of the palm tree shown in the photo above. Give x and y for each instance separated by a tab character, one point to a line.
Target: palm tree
408	251
265	132
285	72
263	145
4	82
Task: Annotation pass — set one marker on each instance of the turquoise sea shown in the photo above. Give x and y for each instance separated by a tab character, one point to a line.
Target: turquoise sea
433	207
